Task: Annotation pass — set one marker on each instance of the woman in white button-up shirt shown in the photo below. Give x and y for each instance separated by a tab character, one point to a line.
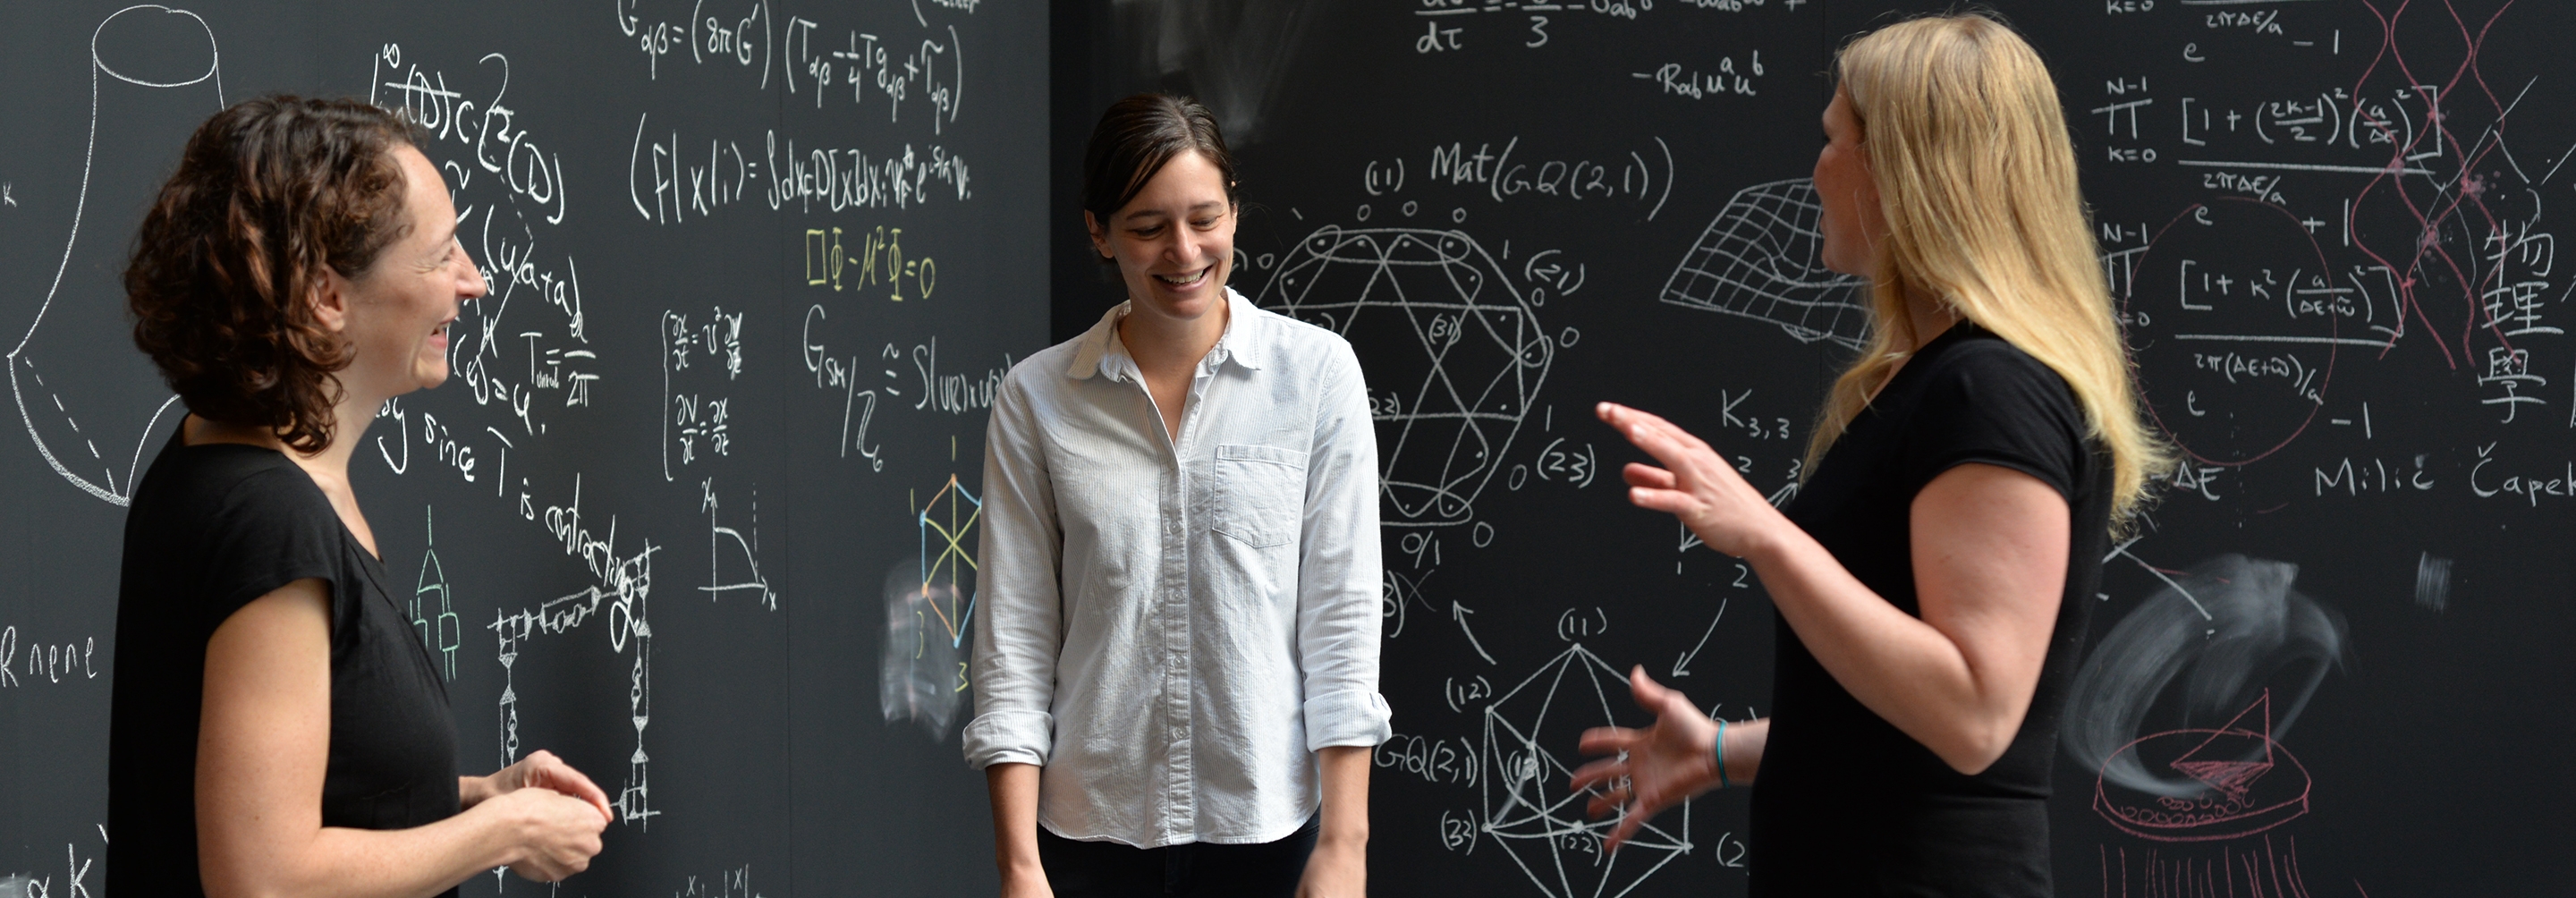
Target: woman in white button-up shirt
1176	674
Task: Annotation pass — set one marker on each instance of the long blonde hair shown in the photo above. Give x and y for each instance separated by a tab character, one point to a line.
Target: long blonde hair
1976	175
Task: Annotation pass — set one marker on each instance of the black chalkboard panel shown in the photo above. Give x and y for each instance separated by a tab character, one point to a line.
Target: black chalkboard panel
696	510
2327	665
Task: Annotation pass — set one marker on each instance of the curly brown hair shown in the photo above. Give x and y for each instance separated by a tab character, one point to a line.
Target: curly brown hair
268	194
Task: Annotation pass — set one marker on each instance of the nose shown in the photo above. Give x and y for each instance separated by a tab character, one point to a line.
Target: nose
472	286
1183	250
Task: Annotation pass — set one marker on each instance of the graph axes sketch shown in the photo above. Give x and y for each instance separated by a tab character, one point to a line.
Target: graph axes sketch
1762	258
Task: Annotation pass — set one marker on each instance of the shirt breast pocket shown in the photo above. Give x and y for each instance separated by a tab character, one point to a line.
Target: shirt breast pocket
1259	493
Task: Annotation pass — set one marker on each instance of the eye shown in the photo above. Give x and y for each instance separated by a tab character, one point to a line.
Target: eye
1147	233
1204	223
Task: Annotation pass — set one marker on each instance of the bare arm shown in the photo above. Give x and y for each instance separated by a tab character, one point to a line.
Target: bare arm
1989	549
1339	865
1015	829
263	746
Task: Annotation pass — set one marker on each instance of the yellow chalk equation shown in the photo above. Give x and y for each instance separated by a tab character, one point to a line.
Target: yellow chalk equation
873	257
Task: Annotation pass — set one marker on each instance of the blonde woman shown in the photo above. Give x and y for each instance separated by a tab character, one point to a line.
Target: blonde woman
1932	579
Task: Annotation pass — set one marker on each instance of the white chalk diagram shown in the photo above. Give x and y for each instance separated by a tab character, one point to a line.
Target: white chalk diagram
99	315
1453	350
625	601
751	581
1529	809
441	631
1762	258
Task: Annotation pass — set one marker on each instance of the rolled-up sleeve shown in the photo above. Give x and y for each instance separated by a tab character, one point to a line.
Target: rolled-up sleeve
1339	577
1020	634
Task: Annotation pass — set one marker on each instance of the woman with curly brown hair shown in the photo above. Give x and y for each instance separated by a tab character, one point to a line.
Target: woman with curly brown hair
277	729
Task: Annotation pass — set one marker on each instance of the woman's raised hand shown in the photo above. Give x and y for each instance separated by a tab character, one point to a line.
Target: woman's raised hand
1653	768
1695	484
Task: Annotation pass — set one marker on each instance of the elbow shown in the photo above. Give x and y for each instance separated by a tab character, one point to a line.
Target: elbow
1971	760
1976	745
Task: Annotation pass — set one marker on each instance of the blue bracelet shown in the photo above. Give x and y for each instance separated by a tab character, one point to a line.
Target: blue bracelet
1721	754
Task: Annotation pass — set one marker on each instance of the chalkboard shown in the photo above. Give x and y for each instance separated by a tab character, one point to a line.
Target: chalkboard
696	510
2331	663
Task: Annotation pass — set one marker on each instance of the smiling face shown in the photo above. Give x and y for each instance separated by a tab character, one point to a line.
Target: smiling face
396	313
1174	243
1852	220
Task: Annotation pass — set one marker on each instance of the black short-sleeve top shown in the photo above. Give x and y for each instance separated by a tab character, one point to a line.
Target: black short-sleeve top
210	529
1847	804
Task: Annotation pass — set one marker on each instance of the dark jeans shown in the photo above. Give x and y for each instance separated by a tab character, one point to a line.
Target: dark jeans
1111	870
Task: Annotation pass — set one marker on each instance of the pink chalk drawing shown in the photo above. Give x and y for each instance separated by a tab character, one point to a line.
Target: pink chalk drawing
2247	782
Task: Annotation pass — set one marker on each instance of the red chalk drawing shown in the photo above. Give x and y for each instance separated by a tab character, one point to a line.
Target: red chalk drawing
2251	783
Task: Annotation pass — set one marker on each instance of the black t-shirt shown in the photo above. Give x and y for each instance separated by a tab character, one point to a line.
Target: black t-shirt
212	528
1847	804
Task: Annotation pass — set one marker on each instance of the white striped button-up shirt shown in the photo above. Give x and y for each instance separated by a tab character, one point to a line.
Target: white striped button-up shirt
1172	627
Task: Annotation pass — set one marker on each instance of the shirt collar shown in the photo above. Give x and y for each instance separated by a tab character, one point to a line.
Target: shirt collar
1100	352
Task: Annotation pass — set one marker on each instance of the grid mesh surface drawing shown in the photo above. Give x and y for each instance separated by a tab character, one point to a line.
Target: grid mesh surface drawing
1762	258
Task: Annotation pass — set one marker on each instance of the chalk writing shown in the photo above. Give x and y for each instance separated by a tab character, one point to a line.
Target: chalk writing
842	373
489	126
684	178
1673	79
44	661
878	259
695	419
1642	175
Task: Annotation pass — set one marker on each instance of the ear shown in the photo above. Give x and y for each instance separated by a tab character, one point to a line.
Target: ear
1099	235
330	296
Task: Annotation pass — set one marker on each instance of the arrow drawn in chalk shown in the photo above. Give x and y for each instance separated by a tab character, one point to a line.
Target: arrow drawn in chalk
1681	666
1460	612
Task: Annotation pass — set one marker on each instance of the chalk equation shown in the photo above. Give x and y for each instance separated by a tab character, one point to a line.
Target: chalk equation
841	374
1672	79
699	359
807	58
842	259
1452	26
685	178
2367	211
1504	172
488	126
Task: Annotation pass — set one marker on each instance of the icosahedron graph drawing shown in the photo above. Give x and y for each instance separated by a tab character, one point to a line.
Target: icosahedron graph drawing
1453	350
1530	738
